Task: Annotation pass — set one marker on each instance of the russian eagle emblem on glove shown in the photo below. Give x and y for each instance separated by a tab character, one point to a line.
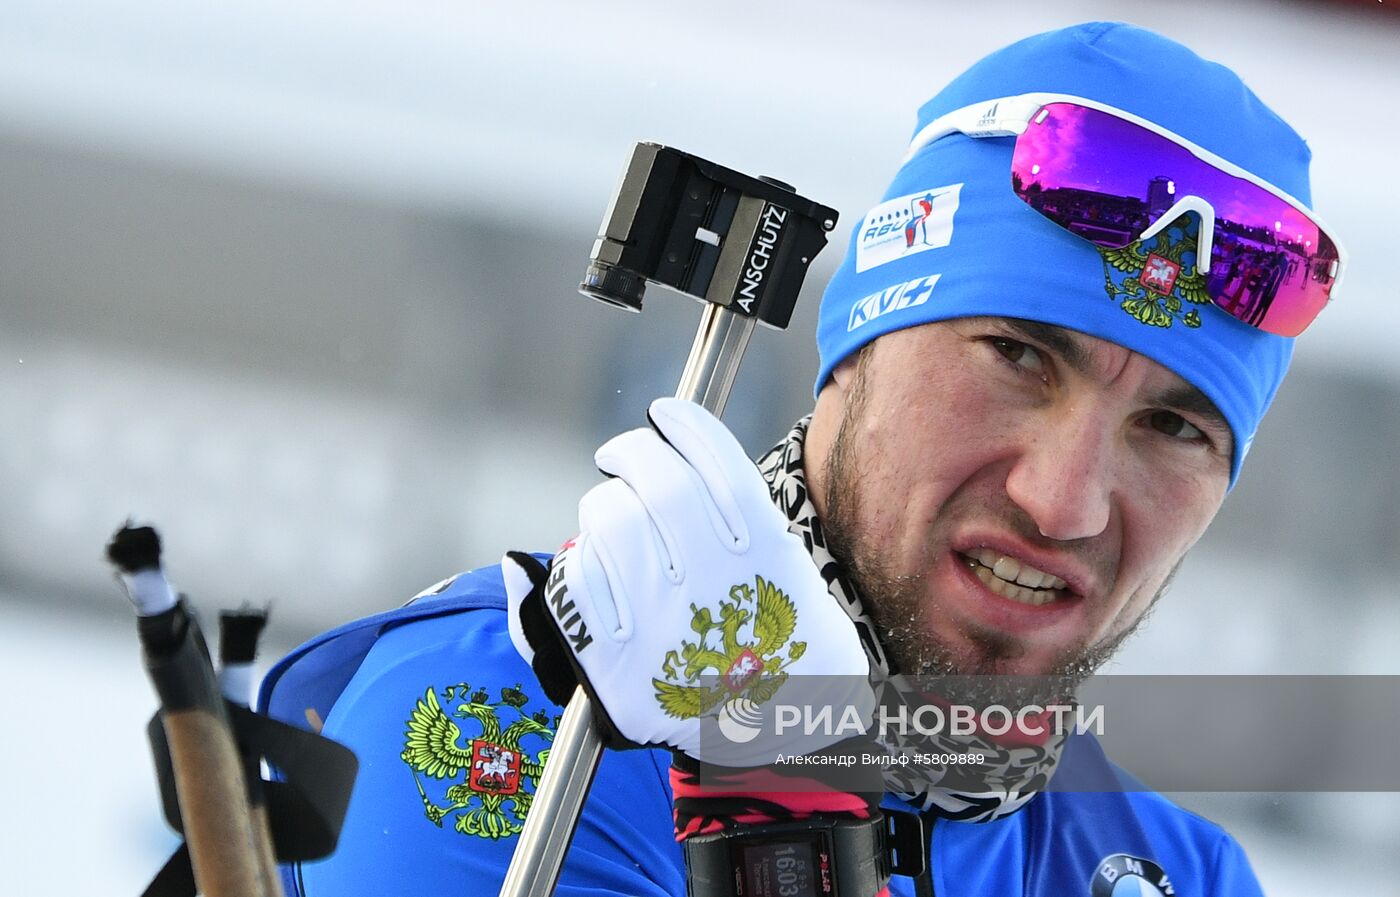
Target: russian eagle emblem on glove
747	663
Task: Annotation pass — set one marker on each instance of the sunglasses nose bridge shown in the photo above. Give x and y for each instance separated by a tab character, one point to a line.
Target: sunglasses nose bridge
1205	239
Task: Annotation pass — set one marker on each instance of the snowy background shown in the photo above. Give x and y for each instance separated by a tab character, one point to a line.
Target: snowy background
296	282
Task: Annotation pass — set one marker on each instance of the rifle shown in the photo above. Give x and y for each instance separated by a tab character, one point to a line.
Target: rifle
741	246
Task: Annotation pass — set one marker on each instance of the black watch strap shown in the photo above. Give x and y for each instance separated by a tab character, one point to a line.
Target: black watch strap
815	857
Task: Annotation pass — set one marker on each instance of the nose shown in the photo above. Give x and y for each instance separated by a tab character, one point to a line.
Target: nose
1062	478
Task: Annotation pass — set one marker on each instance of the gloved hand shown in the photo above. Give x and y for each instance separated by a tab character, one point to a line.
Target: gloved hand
686	608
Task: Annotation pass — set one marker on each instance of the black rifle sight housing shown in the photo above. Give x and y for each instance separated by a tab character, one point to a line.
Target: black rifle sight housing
716	235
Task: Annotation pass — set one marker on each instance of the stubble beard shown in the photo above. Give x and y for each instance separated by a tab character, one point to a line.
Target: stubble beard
899	604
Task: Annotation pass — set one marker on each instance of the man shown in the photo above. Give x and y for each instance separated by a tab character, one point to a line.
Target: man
1025	417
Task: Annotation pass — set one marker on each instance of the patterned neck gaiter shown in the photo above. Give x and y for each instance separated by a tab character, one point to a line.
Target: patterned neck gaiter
1011	775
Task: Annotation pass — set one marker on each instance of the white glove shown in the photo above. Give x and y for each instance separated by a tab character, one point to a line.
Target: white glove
698	620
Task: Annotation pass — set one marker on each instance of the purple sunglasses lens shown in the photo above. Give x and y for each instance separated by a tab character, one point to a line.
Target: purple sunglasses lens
1107	179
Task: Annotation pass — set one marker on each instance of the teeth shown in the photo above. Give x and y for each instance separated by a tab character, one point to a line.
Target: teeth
1032	578
1016	593
1006	568
1011	571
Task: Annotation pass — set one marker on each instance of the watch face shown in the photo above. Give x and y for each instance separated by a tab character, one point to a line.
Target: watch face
797	867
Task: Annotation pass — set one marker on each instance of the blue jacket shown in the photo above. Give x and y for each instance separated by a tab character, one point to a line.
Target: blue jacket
451	729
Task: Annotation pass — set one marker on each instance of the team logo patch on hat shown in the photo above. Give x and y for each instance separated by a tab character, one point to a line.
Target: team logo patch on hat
502	763
900	227
898	297
1156	280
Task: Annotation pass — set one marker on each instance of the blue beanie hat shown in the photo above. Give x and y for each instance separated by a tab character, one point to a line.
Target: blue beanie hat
991	254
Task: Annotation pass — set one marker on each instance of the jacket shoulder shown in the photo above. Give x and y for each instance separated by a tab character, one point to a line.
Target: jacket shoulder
1109	826
301	687
453	731
1096	831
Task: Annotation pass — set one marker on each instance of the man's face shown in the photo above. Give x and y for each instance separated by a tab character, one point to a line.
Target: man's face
1010	497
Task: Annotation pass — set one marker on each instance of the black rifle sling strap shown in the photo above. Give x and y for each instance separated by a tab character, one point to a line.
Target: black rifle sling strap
306	801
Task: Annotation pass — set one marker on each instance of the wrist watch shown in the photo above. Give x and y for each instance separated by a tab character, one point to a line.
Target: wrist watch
820	856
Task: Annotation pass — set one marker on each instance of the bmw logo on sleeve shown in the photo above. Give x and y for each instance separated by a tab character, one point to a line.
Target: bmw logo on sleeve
1121	875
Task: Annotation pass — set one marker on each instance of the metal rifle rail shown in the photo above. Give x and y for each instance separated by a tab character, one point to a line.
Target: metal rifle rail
709	375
